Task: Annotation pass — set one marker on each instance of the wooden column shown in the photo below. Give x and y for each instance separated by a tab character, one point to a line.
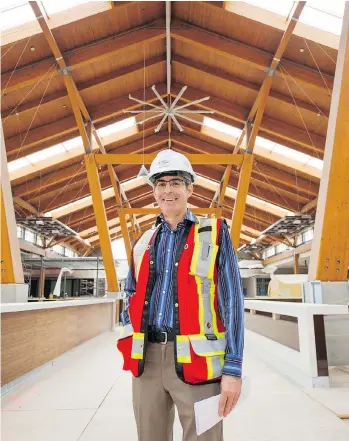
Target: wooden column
101	220
330	247
240	201
42	280
296	263
11	265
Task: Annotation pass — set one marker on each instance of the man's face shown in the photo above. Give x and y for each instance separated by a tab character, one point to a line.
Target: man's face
171	194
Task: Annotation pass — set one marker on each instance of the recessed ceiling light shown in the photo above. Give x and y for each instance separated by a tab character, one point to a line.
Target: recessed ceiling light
301	50
32	48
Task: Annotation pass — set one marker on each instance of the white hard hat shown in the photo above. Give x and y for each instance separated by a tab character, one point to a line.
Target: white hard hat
170	162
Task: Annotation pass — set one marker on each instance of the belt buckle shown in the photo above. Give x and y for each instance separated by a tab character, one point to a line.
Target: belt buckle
163	342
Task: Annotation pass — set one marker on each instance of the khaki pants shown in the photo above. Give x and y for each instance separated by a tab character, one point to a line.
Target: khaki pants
157	391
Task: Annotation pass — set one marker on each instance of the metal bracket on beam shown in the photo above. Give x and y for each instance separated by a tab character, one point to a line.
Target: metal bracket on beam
65	72
270	72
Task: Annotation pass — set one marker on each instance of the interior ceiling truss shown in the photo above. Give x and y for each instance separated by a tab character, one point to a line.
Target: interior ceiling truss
61	184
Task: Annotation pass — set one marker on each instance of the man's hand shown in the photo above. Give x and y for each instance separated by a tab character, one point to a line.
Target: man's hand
230	392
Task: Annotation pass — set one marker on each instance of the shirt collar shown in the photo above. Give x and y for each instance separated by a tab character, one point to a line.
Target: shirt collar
189	216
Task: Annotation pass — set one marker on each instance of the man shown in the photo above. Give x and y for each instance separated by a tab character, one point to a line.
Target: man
183	322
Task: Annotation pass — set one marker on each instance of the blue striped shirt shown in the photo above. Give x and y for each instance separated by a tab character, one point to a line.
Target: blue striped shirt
230	297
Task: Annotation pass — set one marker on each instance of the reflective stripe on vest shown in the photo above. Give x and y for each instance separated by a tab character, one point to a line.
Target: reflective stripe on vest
202	267
126	331
137	346
139	249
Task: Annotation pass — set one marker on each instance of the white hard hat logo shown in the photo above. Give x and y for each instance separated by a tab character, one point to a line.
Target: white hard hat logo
163	163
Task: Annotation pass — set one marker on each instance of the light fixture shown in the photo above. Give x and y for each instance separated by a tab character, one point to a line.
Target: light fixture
168	110
32	48
301	50
143	172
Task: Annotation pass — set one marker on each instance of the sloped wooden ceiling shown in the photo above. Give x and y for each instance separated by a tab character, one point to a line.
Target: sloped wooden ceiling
122	51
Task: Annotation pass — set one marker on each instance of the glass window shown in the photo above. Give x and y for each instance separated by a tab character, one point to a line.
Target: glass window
20	232
308	235
270	252
29	236
58	249
280	248
39	241
262	286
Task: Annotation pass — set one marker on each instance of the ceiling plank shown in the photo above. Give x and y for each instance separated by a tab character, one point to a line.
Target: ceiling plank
221	75
254	57
81	56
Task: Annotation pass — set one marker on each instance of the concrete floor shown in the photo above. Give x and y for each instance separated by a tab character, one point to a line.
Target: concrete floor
85	396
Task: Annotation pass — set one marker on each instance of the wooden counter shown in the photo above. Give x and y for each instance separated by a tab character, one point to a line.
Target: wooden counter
34	333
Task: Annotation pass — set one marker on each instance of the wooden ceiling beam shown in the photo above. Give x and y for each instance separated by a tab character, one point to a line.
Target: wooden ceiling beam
235	115
260	168
84	88
26	206
64	174
221	75
256	114
231	113
252	56
139	197
262	181
54	131
79	57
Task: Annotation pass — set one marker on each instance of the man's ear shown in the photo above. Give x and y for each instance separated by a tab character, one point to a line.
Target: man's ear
190	190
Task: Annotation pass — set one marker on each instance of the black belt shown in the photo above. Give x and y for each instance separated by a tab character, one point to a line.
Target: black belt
161	337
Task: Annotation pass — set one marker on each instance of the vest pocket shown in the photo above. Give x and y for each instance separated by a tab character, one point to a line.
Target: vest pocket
203	260
208	348
212	350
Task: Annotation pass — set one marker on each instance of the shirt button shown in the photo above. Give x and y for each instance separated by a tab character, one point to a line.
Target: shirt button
163	292
176	305
151	262
167	271
146	303
176	264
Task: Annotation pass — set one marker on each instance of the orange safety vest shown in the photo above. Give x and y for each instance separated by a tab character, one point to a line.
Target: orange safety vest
200	343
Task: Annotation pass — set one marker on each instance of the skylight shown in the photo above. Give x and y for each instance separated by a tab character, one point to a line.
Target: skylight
52	7
46	153
117	127
320	14
15	13
289	153
221	127
17	164
282	8
72	143
69	149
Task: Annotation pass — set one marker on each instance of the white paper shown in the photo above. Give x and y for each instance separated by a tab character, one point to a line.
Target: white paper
206	411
